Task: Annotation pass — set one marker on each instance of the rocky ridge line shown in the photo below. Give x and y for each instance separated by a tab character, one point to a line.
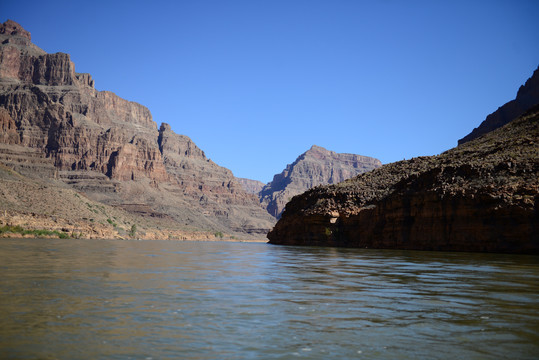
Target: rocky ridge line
480	196
251	186
527	96
314	167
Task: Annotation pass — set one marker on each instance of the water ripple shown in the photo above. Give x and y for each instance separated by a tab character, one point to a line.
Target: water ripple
195	300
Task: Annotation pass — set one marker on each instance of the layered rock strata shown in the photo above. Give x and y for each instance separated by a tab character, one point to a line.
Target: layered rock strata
317	166
527	97
481	196
251	186
111	148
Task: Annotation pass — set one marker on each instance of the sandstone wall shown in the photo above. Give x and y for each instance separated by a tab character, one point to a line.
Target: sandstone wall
47	107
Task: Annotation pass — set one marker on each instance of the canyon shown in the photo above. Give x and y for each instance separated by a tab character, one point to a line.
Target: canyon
87	163
57	130
480	196
316	166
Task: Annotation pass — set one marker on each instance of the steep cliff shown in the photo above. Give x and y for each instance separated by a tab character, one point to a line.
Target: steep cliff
60	112
314	167
527	96
480	196
111	148
208	186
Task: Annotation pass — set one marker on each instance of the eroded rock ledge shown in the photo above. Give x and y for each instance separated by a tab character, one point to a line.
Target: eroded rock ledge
56	126
480	196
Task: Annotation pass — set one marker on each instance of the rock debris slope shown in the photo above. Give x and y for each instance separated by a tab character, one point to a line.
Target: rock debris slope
314	167
480	196
107	147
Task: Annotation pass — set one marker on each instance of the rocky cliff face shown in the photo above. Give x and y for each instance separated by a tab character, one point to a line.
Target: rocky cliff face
47	106
251	186
480	196
314	167
527	97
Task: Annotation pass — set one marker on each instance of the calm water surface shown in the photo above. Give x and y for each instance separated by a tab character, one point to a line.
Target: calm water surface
81	299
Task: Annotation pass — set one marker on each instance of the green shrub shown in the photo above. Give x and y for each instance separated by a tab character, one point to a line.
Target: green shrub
36	232
133	231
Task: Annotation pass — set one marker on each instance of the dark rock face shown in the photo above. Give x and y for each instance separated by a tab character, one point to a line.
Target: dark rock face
8	128
527	96
46	106
317	166
480	196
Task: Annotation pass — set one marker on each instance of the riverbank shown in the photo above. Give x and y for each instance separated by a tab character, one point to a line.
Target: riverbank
31	207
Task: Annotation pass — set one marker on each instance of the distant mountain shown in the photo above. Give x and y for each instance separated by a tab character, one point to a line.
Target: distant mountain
251	186
527	96
55	125
317	166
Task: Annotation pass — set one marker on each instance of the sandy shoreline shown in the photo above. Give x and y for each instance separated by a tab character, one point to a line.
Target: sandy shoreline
31	236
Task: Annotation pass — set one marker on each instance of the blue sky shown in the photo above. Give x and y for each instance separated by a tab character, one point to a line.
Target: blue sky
256	83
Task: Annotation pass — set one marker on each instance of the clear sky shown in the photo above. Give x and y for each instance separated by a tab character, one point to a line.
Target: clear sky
255	83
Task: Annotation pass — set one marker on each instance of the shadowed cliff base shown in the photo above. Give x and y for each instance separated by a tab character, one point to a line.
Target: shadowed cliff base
481	196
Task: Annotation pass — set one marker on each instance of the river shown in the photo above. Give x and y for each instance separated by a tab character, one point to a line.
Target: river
113	299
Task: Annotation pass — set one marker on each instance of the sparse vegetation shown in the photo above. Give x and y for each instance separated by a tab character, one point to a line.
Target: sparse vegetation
133	231
328	232
219	234
36	232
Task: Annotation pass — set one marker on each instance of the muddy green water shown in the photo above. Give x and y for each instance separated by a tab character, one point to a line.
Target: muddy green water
81	299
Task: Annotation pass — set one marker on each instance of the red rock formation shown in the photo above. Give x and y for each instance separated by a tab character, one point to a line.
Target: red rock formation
480	196
11	28
46	106
8	128
210	186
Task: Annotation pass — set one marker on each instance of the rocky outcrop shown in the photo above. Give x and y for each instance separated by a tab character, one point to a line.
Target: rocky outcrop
317	166
46	106
12	29
251	186
8	128
527	97
480	196
103	134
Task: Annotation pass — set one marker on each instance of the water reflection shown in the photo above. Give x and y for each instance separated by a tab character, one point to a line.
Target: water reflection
161	299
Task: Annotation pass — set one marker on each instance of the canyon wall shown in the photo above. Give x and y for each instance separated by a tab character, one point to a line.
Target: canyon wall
251	186
481	196
109	147
317	166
